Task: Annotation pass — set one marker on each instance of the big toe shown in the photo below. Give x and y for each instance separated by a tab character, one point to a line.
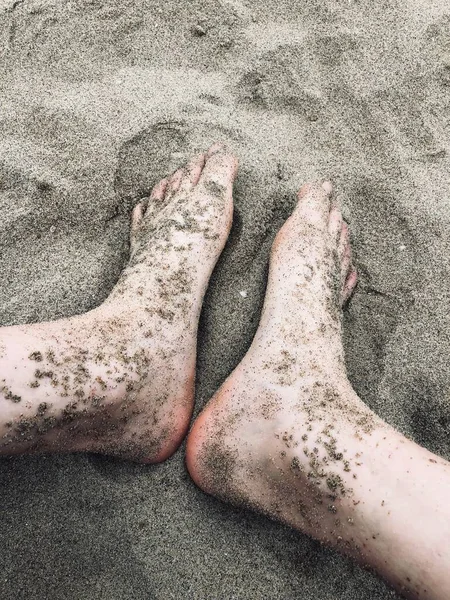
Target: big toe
219	171
314	204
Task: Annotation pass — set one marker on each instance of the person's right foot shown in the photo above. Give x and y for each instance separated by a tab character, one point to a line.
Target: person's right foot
281	435
119	380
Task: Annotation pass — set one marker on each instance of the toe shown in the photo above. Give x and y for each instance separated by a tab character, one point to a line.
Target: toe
313	206
350	284
219	171
335	222
346	261
155	200
174	181
349	274
159	191
345	249
192	173
137	215
216	147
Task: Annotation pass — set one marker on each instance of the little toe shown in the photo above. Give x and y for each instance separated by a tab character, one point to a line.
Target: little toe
192	173
219	172
350	284
314	201
346	260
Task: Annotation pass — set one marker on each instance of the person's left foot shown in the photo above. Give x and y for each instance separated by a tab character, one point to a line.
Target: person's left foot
282	434
119	380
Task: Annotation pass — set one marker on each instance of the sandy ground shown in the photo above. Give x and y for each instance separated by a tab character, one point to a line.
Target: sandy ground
99	100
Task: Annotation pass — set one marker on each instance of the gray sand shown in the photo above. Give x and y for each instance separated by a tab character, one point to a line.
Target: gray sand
99	100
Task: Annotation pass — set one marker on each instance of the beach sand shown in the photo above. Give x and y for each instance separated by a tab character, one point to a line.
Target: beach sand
101	99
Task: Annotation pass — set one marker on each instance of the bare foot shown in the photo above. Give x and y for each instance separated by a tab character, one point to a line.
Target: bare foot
120	379
287	435
287	419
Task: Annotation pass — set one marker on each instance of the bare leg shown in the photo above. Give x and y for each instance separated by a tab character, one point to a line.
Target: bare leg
287	435
120	379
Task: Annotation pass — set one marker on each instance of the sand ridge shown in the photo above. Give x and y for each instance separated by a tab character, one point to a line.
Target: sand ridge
99	100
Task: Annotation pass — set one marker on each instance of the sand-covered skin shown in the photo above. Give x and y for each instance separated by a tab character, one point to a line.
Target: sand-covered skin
100	100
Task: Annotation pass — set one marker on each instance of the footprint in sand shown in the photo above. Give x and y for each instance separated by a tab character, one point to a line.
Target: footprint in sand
283	80
294	77
147	157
